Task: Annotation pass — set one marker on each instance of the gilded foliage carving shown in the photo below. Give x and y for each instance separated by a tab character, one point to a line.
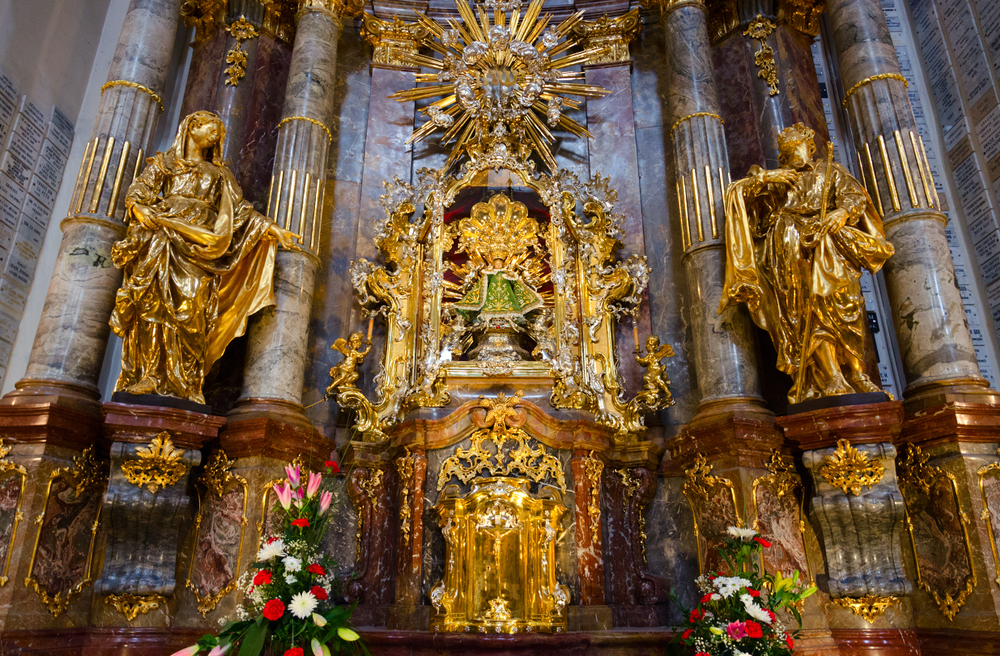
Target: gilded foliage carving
870	607
158	465
850	470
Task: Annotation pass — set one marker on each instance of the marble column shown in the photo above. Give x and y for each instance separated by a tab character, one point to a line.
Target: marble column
72	335
934	341
723	353
276	351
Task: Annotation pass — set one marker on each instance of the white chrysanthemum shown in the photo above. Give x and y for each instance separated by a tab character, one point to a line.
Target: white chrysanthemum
290	579
292	564
302	605
273	550
741	533
755	611
730	585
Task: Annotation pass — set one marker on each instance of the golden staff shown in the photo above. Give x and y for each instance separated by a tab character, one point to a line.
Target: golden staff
800	375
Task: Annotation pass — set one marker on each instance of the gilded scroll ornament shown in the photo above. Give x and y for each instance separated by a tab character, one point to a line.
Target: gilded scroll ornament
594	467
18	516
394	42
870	607
699	488
197	259
803	15
990	470
759	29
500	423
922	486
85	477
216	478
797	239
501	88
404	465
850	470
203	15
131	606
241	30
158	465
631	483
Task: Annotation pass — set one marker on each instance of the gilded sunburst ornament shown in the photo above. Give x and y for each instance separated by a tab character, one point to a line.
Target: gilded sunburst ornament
503	84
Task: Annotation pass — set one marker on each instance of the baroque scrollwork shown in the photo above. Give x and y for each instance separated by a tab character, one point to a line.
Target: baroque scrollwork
241	30
158	465
8	467
131	606
870	607
700	488
850	469
991	470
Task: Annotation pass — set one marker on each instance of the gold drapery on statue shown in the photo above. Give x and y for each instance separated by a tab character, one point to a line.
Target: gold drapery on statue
198	261
797	265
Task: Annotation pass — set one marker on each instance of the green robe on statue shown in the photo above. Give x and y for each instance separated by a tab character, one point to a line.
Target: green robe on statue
500	294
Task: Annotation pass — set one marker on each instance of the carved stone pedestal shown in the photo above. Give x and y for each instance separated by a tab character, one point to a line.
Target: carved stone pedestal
153	449
849	453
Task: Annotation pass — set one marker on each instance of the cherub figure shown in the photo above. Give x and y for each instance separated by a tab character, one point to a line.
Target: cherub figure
655	391
346	373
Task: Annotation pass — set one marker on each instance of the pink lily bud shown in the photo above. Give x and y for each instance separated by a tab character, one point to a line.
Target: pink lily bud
220	650
294	476
187	651
313	485
284	496
324	501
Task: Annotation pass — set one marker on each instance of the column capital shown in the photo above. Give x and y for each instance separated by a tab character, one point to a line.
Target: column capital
338	9
667	6
612	33
395	42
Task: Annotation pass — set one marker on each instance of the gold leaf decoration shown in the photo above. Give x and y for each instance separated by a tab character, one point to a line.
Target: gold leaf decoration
159	464
870	607
131	606
850	469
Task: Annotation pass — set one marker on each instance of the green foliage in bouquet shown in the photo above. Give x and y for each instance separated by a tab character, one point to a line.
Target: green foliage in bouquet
738	613
288	590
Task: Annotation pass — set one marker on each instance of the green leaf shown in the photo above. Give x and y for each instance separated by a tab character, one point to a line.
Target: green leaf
253	641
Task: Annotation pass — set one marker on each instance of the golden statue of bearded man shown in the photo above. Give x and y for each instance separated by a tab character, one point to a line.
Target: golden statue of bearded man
197	261
797	239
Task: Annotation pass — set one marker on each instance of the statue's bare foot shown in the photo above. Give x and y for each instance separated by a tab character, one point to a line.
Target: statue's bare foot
863	383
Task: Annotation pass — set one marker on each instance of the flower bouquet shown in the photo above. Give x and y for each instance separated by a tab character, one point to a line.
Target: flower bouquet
738	614
288	589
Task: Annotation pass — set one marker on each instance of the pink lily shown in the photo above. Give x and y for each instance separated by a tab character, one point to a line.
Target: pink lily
294	476
313	485
284	497
324	501
220	650
187	651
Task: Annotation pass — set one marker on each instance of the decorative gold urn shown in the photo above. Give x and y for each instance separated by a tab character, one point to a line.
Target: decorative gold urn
500	572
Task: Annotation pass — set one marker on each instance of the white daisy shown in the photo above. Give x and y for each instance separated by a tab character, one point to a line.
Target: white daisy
302	605
741	533
290	579
271	550
292	564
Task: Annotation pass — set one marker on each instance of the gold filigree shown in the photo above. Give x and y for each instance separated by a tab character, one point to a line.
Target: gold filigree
131	606
159	464
992	469
215	479
803	15
914	472
394	42
8	466
84	476
874	78
404	465
870	607
850	470
631	485
289	119
501	83
701	485
759	29
203	15
241	30
500	424
132	85
594	467
694	115
371	486
611	34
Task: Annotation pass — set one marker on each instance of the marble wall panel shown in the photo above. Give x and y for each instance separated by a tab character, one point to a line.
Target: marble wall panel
10	495
739	107
216	551
203	75
671	551
778	522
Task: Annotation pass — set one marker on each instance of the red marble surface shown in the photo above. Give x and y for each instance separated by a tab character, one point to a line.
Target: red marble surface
127	422
868	423
409	566
739	108
952	422
373	579
589	550
217	549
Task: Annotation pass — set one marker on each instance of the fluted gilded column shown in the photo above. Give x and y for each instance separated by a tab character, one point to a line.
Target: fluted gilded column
276	353
723	354
938	356
72	335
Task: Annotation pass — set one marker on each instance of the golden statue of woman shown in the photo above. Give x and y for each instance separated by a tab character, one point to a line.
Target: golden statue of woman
797	240
198	260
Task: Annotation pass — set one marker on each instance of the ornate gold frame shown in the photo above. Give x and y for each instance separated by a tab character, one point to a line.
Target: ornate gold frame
986	516
915	471
83	475
782	480
8	466
216	478
700	483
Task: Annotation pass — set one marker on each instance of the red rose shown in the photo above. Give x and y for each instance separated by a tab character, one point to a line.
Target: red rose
754	629
274	609
272	540
706	598
788	640
317	570
771	613
701	653
696	615
301	522
319	593
686	634
295	651
762	542
332	466
263	577
753	593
